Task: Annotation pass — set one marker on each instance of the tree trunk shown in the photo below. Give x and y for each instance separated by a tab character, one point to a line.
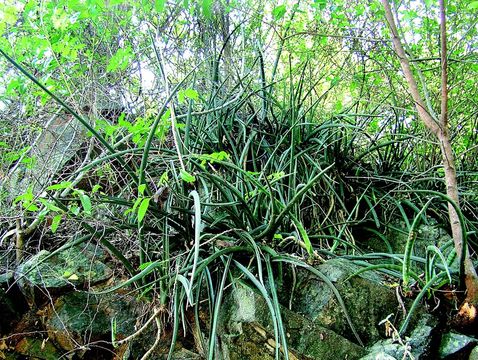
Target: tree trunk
439	127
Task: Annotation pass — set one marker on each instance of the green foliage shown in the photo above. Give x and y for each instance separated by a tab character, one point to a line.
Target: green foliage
187	177
187	94
120	60
143	208
292	134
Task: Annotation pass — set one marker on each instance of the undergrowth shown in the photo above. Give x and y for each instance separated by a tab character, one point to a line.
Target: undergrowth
239	182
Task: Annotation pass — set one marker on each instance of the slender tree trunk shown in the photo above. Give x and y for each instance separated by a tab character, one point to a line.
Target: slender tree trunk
439	127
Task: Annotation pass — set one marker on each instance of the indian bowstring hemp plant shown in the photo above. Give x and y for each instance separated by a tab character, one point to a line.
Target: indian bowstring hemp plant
438	126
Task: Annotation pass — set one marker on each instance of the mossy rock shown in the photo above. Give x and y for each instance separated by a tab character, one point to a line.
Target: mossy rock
453	343
77	267
418	345
78	318
367	298
58	143
430	233
246	332
37	349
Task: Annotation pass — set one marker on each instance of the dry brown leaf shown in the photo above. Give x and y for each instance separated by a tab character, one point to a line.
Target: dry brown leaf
468	312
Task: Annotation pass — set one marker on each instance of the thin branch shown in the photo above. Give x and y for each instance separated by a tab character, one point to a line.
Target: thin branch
444	69
402	56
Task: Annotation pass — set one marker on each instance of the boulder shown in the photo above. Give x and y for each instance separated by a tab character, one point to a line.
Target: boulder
78	267
78	319
430	233
453	343
246	332
367	298
416	346
57	144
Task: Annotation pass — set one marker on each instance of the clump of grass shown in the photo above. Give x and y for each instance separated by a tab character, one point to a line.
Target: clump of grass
255	180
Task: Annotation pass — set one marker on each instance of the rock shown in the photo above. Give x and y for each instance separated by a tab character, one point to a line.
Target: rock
79	318
422	336
380	355
474	354
427	234
453	343
416	345
184	354
37	349
78	267
58	143
246	332
367	299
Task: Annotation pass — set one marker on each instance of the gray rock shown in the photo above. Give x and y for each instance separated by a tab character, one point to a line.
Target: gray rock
246	332
430	233
474	354
367	299
79	318
379	355
416	346
78	267
452	343
58	143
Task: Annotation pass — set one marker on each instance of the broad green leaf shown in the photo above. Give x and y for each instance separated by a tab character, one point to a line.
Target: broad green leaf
120	60
279	11
320	4
30	207
8	14
55	223
219	156
85	203
276	176
136	203
143	208
473	5
187	93
187	177
141	189
335	81
60	186
29	162
60	19
49	205
27	196
27	200
159	5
